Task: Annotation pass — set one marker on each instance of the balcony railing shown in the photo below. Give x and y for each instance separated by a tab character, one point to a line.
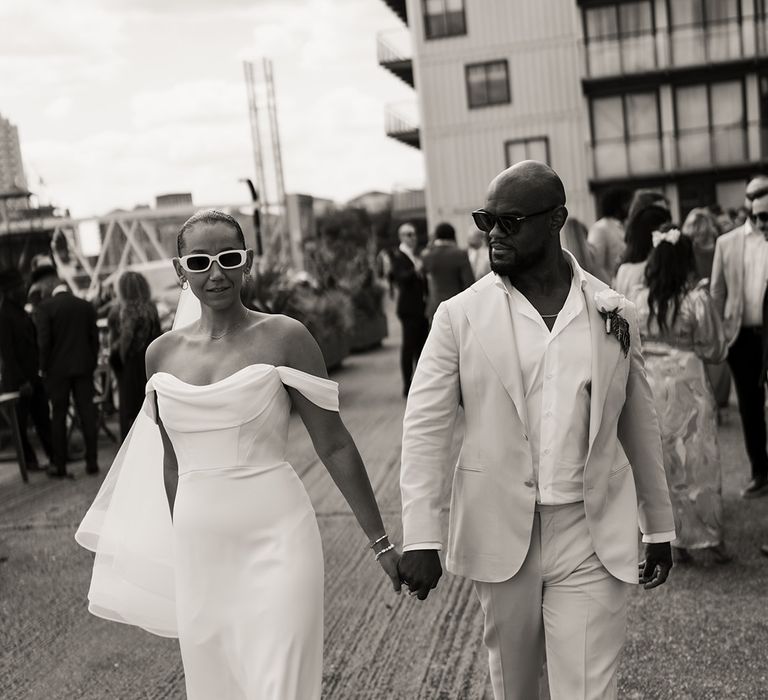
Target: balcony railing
676	47
401	122
687	149
399	8
408	201
393	50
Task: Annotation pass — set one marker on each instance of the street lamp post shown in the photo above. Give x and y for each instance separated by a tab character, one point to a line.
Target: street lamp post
256	215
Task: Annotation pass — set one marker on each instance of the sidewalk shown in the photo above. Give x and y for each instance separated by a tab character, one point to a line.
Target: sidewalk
703	635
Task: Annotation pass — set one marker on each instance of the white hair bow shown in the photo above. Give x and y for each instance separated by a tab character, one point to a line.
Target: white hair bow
672	236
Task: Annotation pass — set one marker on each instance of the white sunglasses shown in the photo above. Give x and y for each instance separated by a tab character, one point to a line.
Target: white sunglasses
226	260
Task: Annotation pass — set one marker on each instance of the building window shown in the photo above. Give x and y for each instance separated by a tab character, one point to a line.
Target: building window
444	18
535	148
711	126
626	134
704	31
620	38
488	84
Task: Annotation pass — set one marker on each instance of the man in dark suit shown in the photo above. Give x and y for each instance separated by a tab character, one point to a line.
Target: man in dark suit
447	266
69	345
407	275
19	365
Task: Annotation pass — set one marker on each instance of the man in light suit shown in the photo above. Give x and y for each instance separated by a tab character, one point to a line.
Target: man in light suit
739	273
561	443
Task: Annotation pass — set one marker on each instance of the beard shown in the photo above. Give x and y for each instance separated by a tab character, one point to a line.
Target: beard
519	264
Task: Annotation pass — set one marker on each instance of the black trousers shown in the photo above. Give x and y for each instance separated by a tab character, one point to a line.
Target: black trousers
35	406
745	359
82	390
415	331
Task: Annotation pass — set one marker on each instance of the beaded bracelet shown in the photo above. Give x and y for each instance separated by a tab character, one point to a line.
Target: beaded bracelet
386	549
381	539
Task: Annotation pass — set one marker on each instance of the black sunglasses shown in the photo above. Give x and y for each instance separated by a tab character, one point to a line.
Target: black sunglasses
762	217
508	223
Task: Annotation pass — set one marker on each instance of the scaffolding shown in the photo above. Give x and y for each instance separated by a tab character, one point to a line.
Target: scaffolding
267	156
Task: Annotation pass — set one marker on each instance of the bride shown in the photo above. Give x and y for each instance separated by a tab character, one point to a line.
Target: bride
227	557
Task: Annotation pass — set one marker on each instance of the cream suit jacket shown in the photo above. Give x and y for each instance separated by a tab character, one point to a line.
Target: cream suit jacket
727	283
470	360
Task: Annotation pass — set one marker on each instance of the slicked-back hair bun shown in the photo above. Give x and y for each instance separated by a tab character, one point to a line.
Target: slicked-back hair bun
209	216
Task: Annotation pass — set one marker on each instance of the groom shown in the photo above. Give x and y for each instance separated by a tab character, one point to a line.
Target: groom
561	444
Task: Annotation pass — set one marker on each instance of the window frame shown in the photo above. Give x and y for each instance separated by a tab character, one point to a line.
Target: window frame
486	64
703	26
426	15
710	126
627	138
526	140
620	33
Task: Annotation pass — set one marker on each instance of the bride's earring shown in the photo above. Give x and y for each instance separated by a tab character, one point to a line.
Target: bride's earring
184	283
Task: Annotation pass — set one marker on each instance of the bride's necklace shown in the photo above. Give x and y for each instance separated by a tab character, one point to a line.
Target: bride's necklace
233	327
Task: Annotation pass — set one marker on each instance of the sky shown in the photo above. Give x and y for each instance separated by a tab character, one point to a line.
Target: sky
117	101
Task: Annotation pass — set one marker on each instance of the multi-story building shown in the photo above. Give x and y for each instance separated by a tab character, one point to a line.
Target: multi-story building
670	94
11	167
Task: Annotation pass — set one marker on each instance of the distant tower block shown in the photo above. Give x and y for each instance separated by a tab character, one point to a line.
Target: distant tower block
267	157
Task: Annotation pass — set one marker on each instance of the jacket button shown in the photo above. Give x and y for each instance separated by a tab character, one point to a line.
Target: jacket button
525	437
529	483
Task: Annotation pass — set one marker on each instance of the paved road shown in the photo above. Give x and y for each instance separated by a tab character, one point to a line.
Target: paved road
703	635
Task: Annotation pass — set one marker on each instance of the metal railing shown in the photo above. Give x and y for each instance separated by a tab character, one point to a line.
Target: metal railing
401	118
399	7
393	46
408	200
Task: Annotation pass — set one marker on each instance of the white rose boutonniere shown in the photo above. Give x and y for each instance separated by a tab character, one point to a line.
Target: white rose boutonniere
610	304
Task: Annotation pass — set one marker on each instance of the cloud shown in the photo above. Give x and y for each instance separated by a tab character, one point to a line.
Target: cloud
59	107
117	102
191	102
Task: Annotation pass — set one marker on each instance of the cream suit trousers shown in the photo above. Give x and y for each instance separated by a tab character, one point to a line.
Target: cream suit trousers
563	601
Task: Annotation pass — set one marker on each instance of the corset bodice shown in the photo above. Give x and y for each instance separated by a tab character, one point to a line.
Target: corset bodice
239	421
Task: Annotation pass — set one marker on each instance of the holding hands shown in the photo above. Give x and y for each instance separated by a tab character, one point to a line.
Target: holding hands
388	557
419	570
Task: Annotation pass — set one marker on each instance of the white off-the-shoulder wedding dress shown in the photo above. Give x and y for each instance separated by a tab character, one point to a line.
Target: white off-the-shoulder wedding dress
238	574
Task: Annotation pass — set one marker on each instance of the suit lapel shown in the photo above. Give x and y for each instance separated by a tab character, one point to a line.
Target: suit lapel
491	321
606	351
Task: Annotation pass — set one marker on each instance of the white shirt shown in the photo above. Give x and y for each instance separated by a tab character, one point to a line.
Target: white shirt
606	236
556	368
408	252
755	275
479	260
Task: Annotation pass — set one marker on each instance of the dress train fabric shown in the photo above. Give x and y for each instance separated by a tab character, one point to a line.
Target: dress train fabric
238	575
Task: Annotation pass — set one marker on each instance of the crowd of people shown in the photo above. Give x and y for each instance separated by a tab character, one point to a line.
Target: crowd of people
700	291
422	280
50	350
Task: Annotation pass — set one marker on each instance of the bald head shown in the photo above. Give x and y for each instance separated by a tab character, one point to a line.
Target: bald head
757	187
525	187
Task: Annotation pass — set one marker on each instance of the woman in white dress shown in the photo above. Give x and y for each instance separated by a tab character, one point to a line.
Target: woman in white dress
229	559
